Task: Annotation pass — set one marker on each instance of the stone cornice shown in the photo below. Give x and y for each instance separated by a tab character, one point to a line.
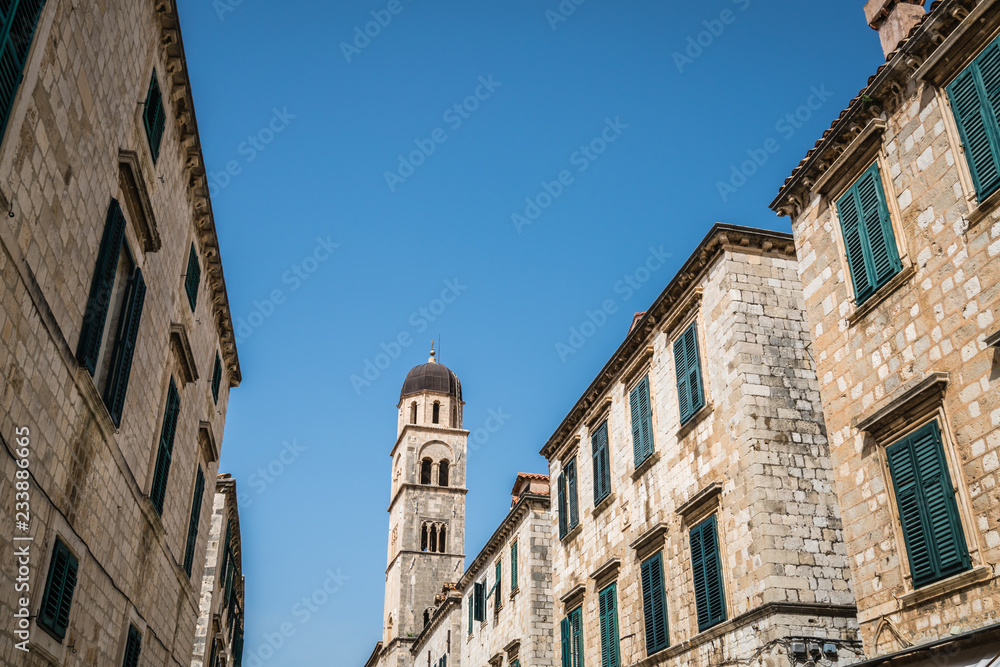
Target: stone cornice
182	105
720	238
424	427
426	487
441	613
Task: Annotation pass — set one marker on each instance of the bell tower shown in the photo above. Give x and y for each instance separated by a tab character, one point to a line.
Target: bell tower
426	505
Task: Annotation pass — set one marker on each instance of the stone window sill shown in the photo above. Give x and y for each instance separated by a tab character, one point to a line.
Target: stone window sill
93	399
514	592
984	208
695	419
571	535
604	503
946	586
646	465
881	294
993	340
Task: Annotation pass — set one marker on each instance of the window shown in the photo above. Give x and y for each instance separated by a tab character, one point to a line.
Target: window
974	97
434	539
479	601
706	564
53	616
442	535
225	552
413	412
654	604
216	378
119	291
427	617
424	537
436	412
20	20
133	646
425	471
192	538
602	470
443	473
471	610
568	514
687	364
154	119
572	639
642	421
158	491
192	278
925	497
513	567
610	653
868	238
497	587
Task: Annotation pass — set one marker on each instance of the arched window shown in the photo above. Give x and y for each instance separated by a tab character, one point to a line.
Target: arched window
442	540
434	539
423	538
437	412
413	412
425	471
443	473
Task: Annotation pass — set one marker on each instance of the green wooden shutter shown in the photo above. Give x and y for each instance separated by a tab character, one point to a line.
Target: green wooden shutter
925	496
18	19
563	511
216	378
683	387
479	589
975	99
576	624
868	237
154	118
59	586
192	539
161	472
574	509
602	469
498	586
513	567
124	349
610	652
98	302
471	602
707	569
642	423
133	647
192	278
566	633
654	604
687	363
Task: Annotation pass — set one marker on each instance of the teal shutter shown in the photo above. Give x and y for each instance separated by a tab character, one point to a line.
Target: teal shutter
99	300
192	539
216	378
975	98
498	586
124	349
161	472
574	510
566	633
133	647
563	511
154	117
687	363
642	421
654	605
59	586
925	496
513	567
479	589
18	19
576	624
602	468
868	237
471	602
225	551
192	278
707	568
610	652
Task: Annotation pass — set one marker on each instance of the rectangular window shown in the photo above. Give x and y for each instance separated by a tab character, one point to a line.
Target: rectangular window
192	540
868	237
53	616
20	18
706	564
602	463
497	587
687	364
569	515
154	118
471	612
161	472
216	378
642	421
975	98
925	496
572	639
479	591
192	278
610	653
133	647
513	567
654	604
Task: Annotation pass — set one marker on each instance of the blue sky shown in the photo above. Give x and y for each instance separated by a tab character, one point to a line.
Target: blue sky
351	194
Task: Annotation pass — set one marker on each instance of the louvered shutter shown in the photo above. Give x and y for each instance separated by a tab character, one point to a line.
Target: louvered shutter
19	19
690	388
654	604
58	597
563	510
602	472
647	419
216	378
154	118
576	622
471	603
192	538
574	510
498	586
850	222
975	98
480	601
883	255
567	657
636	414
124	349
192	278
133	647
683	386
707	570
513	567
165	454
101	285
610	654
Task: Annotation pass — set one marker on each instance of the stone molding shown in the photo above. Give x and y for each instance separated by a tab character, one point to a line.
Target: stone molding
881	422
701	504
180	345
132	183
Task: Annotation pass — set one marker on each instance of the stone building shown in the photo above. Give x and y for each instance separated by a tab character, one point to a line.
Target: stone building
897	226
117	351
696	521
218	638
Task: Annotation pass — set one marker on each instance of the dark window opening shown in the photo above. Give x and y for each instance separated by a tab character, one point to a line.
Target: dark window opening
434	535
437	412
423	538
441	539
413	412
443	473
425	471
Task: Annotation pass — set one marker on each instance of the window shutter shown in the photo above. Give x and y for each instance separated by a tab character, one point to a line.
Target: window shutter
216	378
563	512
513	567
192	539
498	586
471	612
683	386
100	288
59	586
654	604
479	589
154	118
124	349
975	98
687	362
602	473
192	278
576	624
19	19
161	473
574	515
878	228
610	655
133	647
850	222
707	570
925	496
636	414
642	424
567	656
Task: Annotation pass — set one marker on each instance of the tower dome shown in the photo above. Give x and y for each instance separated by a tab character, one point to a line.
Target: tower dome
431	376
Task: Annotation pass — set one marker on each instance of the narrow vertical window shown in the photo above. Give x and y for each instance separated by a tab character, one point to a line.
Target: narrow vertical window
471	602
425	471
413	412
654	604
154	119
975	99
424	537
161	472
642	421
434	542
479	592
436	412
53	616
687	365
572	639
192	537
20	20
513	567
706	566
608	602
442	536
133	647
602	468
192	278
216	378
443	473
568	507
498	586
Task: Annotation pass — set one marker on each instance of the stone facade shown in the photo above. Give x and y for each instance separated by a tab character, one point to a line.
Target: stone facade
218	638
918	351
755	457
74	140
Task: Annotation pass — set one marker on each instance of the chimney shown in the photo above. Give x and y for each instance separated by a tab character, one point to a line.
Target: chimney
893	19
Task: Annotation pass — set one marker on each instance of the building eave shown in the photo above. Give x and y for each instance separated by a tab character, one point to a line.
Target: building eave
513	519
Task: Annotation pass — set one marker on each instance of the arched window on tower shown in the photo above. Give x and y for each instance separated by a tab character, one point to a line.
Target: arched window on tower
423	537
443	473
413	412
425	471
436	413
434	539
442	540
